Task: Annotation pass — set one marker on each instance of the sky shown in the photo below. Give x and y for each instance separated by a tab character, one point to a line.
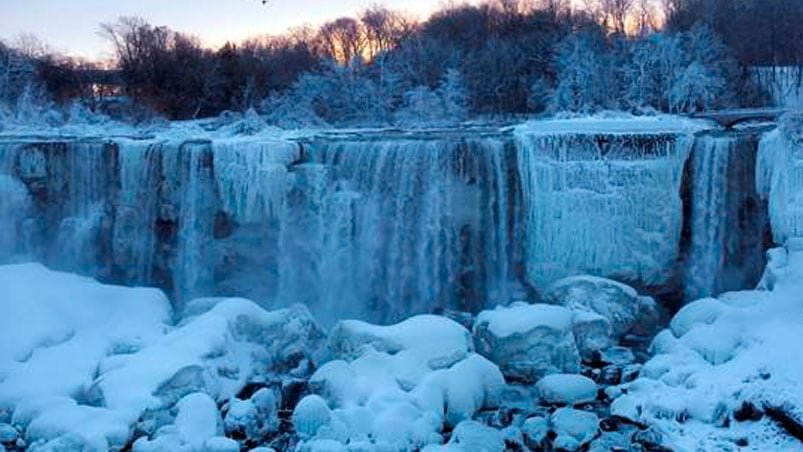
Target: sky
72	26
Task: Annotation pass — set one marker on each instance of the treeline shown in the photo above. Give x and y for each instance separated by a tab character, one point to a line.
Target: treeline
499	58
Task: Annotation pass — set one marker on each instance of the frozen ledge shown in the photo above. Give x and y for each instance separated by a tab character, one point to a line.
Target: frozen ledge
615	123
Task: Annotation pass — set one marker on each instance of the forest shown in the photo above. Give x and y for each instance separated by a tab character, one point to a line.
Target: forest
497	59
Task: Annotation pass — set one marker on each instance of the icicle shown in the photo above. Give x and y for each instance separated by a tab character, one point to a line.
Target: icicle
252	176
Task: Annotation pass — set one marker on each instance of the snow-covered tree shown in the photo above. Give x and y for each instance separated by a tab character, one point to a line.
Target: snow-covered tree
454	95
422	107
694	89
585	76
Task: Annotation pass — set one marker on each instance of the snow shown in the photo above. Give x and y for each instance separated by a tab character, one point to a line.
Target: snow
416	346
520	318
566	389
80	361
719	354
614	123
61	324
398	385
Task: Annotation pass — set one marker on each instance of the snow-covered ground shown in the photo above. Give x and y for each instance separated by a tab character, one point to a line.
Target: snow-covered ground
85	366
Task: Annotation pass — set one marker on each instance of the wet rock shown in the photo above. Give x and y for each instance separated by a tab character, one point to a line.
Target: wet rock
611	442
610	375
8	435
748	412
620	356
631	372
649	439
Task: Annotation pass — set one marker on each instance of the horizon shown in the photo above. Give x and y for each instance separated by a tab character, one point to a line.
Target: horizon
214	22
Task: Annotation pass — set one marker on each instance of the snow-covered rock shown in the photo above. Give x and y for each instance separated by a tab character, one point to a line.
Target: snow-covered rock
459	392
617	302
574	428
535	430
566	389
473	436
418	345
592	334
197	426
528	341
310	415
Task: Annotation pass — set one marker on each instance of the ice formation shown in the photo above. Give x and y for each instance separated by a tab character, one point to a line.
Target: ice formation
602	204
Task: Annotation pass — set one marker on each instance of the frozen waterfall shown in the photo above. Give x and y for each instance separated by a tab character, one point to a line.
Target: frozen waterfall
602	204
383	225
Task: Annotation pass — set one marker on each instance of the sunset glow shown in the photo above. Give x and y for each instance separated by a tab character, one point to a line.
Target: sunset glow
73	28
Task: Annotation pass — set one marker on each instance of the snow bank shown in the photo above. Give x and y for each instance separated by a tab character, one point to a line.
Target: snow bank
80	362
396	387
60	324
721	354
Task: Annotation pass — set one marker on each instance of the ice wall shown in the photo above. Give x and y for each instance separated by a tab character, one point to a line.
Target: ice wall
727	220
779	179
602	203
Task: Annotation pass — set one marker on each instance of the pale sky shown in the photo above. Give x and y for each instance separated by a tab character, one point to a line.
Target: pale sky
71	26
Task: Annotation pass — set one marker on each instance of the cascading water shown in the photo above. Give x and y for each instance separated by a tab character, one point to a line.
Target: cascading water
194	269
400	227
15	206
727	221
134	239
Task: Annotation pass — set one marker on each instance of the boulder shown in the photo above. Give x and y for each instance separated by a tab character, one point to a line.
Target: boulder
528	341
617	302
566	389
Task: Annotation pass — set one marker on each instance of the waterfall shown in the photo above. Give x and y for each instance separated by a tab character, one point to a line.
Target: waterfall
15	206
602	204
134	240
194	265
727	224
399	226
